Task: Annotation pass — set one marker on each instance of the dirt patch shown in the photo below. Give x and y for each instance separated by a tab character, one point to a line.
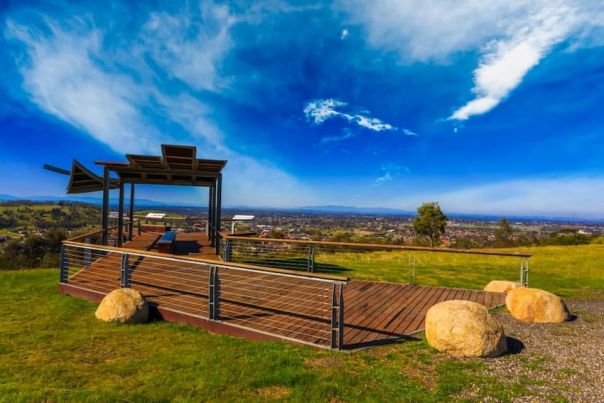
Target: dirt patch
275	392
325	362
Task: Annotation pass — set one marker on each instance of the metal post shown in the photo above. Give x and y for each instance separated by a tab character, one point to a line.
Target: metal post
63	269
211	216
311	257
120	218
105	211
213	298
87	254
341	318
218	211
139	227
131	212
228	250
524	271
125	272
334	317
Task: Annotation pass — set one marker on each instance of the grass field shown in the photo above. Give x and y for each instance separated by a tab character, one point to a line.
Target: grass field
569	271
53	349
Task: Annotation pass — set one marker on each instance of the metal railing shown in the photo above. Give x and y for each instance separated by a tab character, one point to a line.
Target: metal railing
302	307
322	256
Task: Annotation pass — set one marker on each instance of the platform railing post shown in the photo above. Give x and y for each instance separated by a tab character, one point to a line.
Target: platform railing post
311	258
213	294
341	318
63	269
524	271
125	272
87	253
334	317
228	250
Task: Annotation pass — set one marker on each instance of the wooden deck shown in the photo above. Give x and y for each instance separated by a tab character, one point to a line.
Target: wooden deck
293	308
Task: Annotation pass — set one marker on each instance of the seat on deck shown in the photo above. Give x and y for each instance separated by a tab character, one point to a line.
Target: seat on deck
166	242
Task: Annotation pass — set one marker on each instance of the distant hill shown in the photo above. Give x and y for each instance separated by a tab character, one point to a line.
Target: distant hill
327	209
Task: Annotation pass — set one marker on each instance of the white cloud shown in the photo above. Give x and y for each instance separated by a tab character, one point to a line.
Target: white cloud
511	36
386	177
569	196
344	34
62	80
506	62
68	73
190	46
318	111
408	132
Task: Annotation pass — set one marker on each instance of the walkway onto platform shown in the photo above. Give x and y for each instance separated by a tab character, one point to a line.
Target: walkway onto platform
263	305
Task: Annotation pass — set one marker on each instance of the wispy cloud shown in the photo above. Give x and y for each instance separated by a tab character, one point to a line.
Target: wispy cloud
69	73
506	62
320	110
390	171
346	134
511	37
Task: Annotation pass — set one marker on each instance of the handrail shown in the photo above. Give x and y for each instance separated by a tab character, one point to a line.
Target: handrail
210	262
377	246
98	231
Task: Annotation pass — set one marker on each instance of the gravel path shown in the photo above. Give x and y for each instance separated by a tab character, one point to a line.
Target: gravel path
555	361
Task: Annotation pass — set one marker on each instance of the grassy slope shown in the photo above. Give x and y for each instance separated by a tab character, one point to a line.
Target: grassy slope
52	348
570	271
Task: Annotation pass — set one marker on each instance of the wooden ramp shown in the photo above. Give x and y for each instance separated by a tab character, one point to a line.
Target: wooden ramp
294	308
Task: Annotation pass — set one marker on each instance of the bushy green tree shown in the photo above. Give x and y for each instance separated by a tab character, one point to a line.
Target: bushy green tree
430	222
504	233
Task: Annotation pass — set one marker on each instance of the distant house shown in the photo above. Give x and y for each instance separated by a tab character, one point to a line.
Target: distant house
24	232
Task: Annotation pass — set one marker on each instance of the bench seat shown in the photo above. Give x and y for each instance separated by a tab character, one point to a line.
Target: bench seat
166	242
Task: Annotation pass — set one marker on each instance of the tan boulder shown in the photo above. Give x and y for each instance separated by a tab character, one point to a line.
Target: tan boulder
123	305
536	306
502	286
464	329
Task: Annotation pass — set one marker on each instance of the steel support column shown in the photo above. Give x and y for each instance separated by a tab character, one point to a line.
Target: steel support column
120	218
218	211
105	212
131	212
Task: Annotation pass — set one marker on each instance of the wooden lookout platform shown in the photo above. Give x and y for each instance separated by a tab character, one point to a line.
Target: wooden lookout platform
262	305
184	278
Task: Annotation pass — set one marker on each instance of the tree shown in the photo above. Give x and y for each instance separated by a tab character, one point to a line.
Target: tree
430	222
503	233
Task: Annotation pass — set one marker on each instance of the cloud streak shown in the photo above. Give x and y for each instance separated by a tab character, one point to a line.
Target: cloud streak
320	110
511	37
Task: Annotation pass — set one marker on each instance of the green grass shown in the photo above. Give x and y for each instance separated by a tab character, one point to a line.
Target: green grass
53	349
569	271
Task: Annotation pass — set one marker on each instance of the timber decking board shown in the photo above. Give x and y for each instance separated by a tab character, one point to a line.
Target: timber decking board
295	308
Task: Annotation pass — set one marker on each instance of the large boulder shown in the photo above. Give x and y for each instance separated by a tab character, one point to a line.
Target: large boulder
464	329
536	306
502	286
123	305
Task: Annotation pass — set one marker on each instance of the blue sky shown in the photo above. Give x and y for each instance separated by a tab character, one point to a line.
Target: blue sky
486	107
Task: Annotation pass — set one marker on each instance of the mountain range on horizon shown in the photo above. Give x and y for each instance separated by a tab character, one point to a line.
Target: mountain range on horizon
323	209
